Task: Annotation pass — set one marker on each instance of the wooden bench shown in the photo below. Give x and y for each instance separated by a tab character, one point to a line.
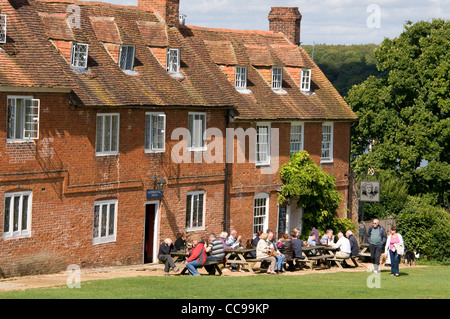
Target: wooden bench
208	263
339	261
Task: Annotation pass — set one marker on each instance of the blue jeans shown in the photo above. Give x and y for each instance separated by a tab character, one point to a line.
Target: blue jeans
280	261
192	267
395	261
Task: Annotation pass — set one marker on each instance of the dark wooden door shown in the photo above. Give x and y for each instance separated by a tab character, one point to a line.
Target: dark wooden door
150	210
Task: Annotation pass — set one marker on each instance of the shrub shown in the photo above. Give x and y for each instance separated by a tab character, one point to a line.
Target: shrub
425	228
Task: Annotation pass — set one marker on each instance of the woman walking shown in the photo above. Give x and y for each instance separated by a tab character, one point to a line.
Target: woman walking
395	248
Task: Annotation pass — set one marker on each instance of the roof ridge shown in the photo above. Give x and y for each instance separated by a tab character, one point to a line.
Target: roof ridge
260	32
91	3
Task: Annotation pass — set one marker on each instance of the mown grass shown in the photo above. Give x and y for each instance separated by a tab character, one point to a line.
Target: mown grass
414	282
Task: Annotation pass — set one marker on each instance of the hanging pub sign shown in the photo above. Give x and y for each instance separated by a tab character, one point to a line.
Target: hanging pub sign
370	191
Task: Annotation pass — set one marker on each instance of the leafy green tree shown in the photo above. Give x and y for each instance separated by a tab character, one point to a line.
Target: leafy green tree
316	191
403	127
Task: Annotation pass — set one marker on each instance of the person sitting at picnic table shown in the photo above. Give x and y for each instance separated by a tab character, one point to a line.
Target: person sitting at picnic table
344	244
328	238
223	238
296	245
262	252
255	242
164	255
197	255
354	246
180	243
233	242
279	257
285	248
215	249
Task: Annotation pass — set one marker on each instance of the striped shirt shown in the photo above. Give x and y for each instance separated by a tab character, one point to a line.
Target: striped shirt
216	249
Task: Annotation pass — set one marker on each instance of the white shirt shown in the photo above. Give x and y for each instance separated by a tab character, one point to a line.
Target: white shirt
344	244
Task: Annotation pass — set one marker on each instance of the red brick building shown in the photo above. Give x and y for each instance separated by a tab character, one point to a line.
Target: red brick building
103	101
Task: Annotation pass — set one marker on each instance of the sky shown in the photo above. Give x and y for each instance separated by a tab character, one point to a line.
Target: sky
324	21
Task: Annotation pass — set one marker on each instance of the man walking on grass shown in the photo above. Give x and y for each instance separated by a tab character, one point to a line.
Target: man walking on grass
376	236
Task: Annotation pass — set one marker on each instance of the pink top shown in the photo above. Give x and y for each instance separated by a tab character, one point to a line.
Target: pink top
394	240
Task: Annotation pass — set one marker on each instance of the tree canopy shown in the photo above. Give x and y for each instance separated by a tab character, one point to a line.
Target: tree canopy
403	127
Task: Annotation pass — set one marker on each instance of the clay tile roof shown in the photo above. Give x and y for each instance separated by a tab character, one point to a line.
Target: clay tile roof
153	33
221	52
37	54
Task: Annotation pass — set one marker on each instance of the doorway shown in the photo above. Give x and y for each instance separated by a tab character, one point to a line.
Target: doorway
151	232
295	218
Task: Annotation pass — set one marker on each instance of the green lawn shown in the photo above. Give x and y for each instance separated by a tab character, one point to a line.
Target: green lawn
414	282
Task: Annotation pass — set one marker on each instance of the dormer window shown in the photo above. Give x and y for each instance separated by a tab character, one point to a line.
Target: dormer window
2	28
79	57
126	57
240	80
277	80
173	62
305	83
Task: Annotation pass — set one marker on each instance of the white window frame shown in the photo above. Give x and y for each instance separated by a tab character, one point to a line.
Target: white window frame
327	139
305	82
150	130
20	232
240	79
277	78
197	131
173	67
125	63
260	210
101	149
190	205
2	28
27	127
98	238
75	56
296	137
263	160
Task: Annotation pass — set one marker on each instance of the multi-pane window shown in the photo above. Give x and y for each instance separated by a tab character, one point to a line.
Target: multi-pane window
155	136
105	221
17	217
305	84
260	213
195	210
327	142
241	78
126	57
296	137
263	144
277	78
173	61
2	28
197	130
107	137
22	118
79	57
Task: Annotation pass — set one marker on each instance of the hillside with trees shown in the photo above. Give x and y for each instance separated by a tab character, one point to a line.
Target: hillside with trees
345	65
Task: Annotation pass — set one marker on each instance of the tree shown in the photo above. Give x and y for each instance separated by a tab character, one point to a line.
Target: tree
316	191
403	117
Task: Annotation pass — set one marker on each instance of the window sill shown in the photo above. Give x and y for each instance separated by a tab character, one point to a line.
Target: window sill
107	154
308	92
105	240
194	229
154	151
326	161
130	72
176	75
199	149
80	69
20	141
17	236
262	164
279	91
244	91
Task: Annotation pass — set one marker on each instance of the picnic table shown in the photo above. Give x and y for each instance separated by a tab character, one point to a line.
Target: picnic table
241	256
180	257
364	251
330	250
315	254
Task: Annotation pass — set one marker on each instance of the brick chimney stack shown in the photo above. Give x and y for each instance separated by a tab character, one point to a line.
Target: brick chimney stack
168	10
286	20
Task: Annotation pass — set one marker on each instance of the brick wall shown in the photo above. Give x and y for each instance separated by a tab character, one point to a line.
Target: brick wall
287	21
